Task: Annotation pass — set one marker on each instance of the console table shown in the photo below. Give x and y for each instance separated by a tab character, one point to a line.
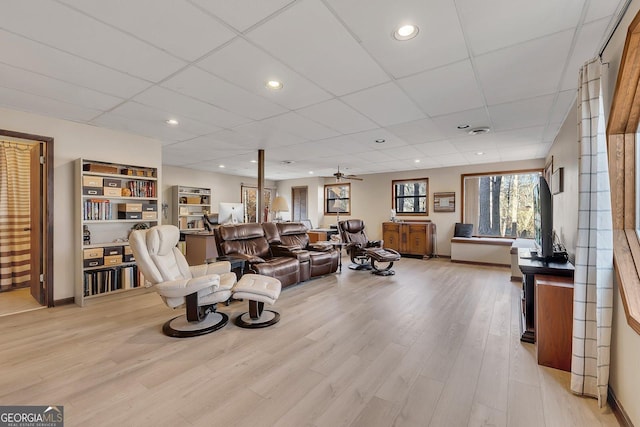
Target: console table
530	269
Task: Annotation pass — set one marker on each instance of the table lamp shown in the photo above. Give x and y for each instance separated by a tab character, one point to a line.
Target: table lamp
279	205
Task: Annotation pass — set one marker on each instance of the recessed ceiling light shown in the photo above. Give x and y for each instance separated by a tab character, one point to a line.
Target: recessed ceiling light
287	162
480	153
221	166
172	122
405	32
463	127
310	172
479	131
273	85
253	161
380	141
417	160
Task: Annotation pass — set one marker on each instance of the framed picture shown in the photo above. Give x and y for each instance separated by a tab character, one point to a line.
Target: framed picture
444	202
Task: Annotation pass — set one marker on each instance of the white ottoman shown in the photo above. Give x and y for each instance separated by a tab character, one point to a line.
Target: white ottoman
258	289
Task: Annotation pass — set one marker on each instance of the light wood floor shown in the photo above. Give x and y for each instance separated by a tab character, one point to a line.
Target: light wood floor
17	301
435	345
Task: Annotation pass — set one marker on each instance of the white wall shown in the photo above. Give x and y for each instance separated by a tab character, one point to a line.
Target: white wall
315	188
224	188
72	141
371	198
565	205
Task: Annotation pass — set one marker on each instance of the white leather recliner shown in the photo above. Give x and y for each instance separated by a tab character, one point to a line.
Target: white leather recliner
199	288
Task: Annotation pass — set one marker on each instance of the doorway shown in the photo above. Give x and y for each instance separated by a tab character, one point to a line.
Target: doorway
299	209
26	209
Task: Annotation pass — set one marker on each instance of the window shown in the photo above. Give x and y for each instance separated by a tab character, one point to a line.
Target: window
500	203
410	196
250	202
337	199
623	173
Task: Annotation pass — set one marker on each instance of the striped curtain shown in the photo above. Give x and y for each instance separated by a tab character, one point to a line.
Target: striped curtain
15	245
593	284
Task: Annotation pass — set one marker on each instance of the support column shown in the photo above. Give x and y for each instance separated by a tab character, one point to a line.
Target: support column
260	196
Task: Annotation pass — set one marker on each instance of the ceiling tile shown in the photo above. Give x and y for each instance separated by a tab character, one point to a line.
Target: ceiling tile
335	114
440	40
242	14
185	106
451	160
494	24
267	135
523	71
23	101
588	43
61	27
469	119
602	9
308	38
434	149
565	101
487	157
521	114
475	143
249	67
201	85
296	124
518	137
26	54
408	152
418	131
186	32
444	90
368	138
385	104
36	84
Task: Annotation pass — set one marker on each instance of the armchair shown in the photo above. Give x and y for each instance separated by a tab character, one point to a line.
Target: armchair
199	288
357	243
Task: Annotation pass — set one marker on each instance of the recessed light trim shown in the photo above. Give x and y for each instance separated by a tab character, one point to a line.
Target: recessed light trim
273	84
172	122
405	32
479	130
380	141
461	127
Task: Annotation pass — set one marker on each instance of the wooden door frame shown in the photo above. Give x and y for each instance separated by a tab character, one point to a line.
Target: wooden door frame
306	187
47	235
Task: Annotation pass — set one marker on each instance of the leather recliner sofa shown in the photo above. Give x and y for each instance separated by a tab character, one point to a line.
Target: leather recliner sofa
279	250
249	242
292	236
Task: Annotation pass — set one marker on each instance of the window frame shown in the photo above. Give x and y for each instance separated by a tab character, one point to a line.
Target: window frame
327	188
479	174
394	196
622	136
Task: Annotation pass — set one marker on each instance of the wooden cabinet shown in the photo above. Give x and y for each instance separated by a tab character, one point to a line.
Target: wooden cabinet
190	204
554	321
111	199
409	238
200	248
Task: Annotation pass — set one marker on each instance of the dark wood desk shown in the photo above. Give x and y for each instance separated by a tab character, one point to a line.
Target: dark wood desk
531	268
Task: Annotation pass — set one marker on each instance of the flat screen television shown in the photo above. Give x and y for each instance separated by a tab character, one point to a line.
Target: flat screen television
230	213
543	219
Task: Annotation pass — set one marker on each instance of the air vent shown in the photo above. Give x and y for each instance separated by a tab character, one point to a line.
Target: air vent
479	131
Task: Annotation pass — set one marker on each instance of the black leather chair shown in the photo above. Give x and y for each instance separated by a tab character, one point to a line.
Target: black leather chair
357	243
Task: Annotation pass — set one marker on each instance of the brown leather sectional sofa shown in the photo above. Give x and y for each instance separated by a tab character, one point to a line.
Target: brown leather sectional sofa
279	250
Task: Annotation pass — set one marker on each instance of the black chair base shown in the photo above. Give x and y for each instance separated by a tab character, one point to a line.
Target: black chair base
180	327
257	317
360	267
387	271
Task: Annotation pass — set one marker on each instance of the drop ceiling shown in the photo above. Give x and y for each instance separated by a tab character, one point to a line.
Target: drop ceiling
131	65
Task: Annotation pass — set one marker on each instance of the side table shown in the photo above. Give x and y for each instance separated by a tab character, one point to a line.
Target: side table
237	264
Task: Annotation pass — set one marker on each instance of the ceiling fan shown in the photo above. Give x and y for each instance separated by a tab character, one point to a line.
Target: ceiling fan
339	175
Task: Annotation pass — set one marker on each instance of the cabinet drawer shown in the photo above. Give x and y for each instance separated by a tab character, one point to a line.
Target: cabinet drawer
93	253
150	207
129	215
111	192
129	258
92	191
130	207
113	260
150	215
112	250
93	262
92	181
113	183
